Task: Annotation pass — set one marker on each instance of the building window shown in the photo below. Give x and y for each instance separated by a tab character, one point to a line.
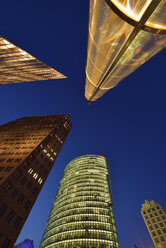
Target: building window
1	168
8	168
148	211
40	180
164	230
34	191
155	214
23	180
5	243
10	216
14	193
162	238
17	222
146	217
153	209
17	174
156	226
151	228
161	224
158	219
2	209
7	186
9	160
153	221
35	175
27	204
163	217
25	165
159	232
29	186
30	171
20	199
156	240
154	234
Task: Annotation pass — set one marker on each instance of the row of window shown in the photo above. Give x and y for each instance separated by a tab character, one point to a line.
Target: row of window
85	217
152	209
93	234
155	215
84	243
10	216
5	243
157	218
156	226
81	204
79	225
6	168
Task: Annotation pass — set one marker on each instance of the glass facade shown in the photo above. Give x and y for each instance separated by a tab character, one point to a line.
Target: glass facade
123	35
19	66
82	213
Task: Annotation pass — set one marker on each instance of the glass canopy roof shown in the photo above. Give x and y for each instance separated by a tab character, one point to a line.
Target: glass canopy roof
123	34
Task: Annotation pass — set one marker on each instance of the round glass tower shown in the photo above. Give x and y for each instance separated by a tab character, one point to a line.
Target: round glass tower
82	214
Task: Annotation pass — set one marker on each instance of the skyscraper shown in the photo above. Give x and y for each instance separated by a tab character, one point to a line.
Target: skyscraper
123	35
25	244
82	214
16	65
28	149
155	220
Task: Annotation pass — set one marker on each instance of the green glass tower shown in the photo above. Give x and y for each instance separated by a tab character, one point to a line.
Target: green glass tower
82	213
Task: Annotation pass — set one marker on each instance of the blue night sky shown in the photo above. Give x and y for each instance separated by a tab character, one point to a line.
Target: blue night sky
127	125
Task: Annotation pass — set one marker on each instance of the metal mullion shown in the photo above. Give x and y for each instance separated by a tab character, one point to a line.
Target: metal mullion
152	6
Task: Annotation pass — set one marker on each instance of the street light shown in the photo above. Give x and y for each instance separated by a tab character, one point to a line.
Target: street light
123	34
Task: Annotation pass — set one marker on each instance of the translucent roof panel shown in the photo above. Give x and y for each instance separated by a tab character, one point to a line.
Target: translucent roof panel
158	18
123	35
16	65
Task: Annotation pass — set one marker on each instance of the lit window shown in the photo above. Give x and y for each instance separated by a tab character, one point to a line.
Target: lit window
30	171
40	180
35	175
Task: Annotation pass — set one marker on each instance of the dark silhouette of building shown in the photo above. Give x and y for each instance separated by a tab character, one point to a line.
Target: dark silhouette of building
82	214
27	243
16	65
28	149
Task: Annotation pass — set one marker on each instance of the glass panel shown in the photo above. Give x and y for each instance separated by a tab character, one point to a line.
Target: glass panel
158	18
143	47
132	8
107	35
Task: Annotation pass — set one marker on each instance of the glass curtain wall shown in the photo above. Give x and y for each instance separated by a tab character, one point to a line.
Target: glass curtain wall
82	213
123	35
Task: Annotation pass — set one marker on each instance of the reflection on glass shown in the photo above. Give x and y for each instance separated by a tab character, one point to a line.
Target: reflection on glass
112	54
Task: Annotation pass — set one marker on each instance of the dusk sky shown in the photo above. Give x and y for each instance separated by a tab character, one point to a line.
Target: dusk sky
127	125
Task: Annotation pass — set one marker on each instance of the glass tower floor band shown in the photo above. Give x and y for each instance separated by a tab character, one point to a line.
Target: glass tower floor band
82	213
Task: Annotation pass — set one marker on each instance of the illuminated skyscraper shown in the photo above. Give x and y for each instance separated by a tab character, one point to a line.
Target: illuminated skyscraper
28	149
82	214
155	220
122	36
16	65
